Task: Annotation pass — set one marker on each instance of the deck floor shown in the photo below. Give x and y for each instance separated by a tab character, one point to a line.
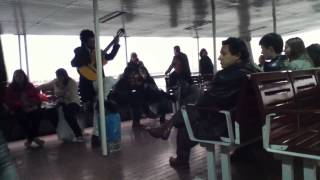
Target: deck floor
141	158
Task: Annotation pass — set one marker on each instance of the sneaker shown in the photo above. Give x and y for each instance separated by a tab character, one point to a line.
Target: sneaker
79	139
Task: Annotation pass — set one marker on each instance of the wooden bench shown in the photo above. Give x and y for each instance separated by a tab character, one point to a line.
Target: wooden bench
290	103
244	127
288	106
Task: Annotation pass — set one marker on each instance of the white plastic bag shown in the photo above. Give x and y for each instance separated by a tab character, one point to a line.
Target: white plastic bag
64	131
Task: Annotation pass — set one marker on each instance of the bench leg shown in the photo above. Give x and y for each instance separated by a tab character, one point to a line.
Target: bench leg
225	163
211	163
287	168
309	169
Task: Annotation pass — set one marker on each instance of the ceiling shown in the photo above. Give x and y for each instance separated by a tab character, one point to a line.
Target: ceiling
160	18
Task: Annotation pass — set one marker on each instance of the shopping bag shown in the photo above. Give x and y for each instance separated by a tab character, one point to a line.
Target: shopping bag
64	131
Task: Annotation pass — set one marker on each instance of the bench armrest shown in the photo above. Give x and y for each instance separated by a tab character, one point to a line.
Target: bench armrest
266	130
230	140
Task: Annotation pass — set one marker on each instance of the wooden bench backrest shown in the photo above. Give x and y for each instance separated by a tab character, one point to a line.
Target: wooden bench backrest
275	92
306	95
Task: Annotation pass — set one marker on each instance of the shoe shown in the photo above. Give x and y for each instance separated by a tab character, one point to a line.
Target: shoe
39	142
160	132
79	139
178	163
27	144
138	126
162	121
95	141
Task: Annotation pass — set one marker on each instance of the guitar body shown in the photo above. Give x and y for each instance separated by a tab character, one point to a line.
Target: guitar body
88	72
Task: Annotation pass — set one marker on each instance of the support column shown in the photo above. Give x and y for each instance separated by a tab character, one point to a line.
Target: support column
102	118
213	14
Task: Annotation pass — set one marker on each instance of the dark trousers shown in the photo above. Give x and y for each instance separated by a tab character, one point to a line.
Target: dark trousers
30	122
184	144
70	112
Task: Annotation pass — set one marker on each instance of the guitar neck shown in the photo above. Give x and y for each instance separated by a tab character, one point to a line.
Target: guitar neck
111	44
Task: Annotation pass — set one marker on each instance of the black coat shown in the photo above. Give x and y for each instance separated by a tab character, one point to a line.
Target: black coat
225	88
205	65
81	58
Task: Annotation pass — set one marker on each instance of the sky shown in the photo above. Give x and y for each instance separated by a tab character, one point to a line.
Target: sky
48	53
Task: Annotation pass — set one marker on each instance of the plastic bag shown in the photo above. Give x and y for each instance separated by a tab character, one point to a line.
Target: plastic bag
64	131
113	127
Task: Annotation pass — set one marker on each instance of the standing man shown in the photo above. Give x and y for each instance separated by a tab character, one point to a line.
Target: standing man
205	63
181	67
83	57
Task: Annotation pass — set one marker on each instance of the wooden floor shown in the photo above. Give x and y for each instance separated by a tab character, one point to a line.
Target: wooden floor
141	158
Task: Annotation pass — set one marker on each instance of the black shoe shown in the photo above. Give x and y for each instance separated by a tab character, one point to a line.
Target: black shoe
178	163
160	132
95	141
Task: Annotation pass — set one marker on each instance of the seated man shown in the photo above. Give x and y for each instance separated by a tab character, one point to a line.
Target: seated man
137	88
225	86
66	91
271	48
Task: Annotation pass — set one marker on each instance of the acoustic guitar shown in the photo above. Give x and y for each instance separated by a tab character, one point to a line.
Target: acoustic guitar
90	71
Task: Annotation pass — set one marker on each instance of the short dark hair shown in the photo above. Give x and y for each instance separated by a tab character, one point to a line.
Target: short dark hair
86	34
203	50
237	46
177	48
273	40
314	53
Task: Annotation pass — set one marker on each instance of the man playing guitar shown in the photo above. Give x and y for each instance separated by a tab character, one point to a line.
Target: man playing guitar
83	58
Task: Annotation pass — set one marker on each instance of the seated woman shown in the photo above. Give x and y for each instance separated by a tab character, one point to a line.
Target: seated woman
298	57
24	102
66	91
225	87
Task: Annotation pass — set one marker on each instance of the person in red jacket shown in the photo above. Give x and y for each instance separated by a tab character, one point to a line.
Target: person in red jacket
24	102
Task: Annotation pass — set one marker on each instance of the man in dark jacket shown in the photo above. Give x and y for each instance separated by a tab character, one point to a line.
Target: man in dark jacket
180	64
138	89
225	87
271	48
83	57
205	63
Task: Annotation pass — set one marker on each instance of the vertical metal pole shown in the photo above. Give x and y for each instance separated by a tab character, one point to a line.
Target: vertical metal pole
125	38
213	14
26	53
100	80
20	55
274	16
197	36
